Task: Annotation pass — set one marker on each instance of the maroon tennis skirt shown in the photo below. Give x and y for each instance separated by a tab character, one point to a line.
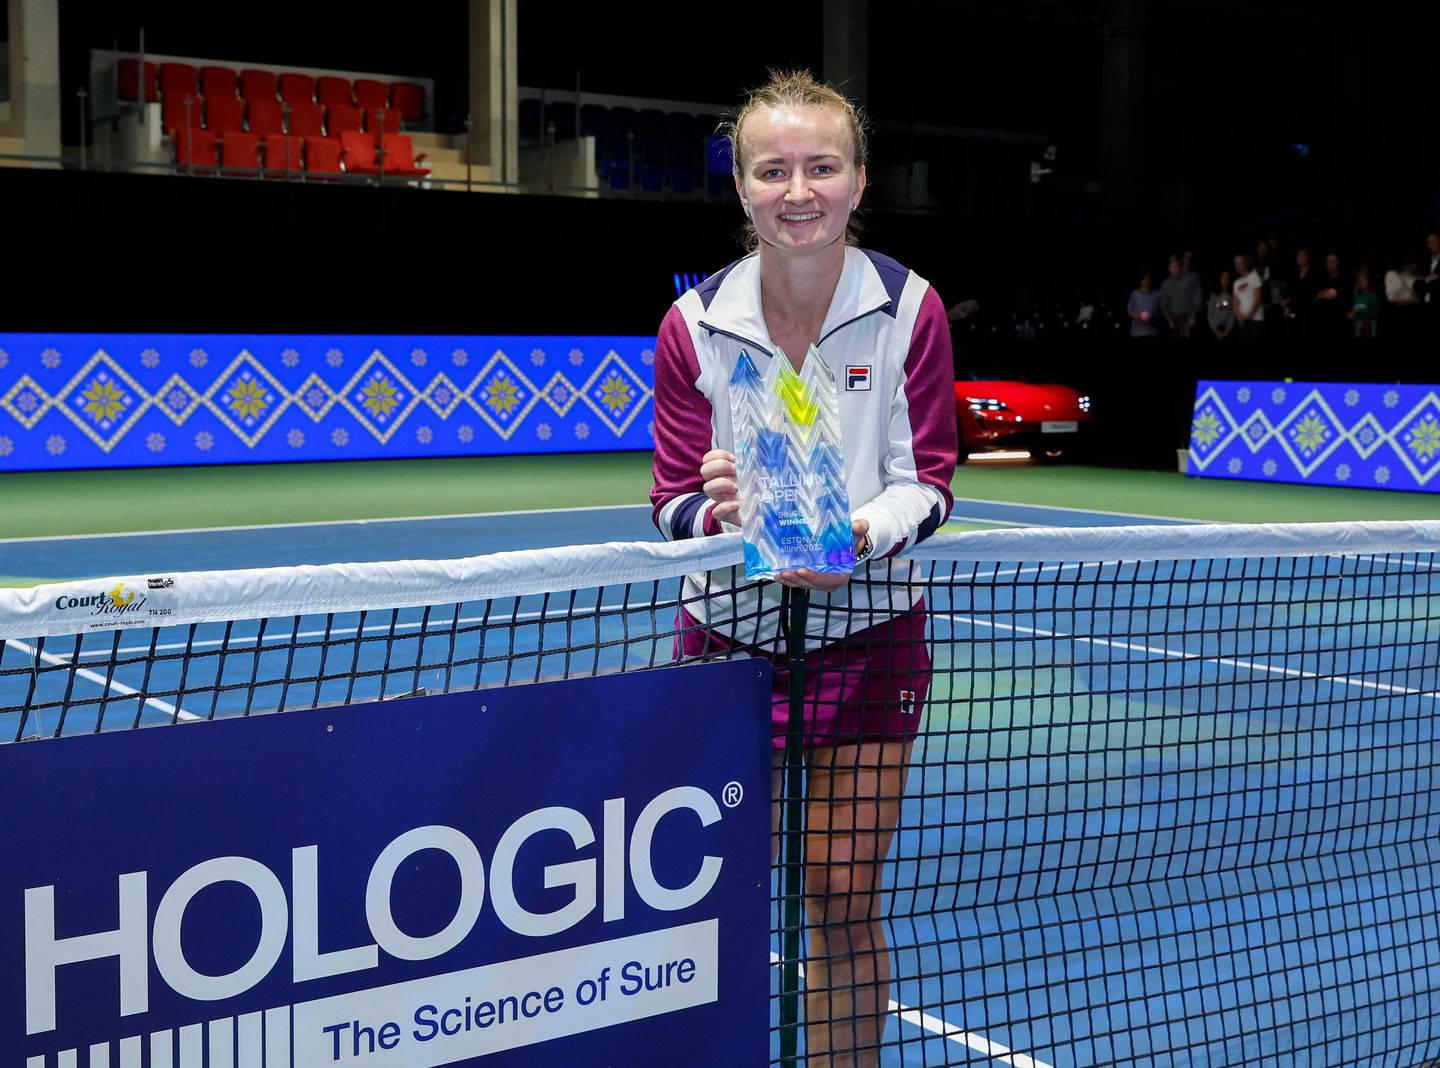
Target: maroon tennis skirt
869	685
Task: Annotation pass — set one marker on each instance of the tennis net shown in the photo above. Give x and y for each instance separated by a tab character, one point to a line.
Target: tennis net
1172	800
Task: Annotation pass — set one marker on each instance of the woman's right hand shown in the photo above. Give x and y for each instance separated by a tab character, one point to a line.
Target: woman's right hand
717	469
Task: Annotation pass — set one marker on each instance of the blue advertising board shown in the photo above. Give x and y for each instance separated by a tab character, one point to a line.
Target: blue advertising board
1367	434
143	400
573	872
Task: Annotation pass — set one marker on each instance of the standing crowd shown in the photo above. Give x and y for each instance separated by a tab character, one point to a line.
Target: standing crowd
1263	299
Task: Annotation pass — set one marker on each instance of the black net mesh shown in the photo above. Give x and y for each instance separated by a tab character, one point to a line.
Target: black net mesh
1155	813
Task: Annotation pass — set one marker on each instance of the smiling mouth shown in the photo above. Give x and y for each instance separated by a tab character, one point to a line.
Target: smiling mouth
800	216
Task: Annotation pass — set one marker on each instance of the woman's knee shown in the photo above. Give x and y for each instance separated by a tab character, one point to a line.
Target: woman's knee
840	896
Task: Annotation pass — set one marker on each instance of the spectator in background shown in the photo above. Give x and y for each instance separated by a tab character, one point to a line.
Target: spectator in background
1249	304
1187	263
1222	309
1144	309
1181	300
1365	307
1267	267
1427	288
1277	288
1332	302
1403	301
1431	266
1300	295
1262	263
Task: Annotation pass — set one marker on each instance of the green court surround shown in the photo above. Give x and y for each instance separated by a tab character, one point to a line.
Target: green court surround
39	504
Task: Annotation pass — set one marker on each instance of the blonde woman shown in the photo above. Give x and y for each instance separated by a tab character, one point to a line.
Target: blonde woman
799	161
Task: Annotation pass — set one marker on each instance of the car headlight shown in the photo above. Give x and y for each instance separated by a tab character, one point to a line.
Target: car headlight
987	404
1084	403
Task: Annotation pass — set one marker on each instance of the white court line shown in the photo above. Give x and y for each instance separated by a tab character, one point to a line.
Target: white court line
547	511
1086	511
1180	654
937	1026
985	519
439	626
94	676
318	523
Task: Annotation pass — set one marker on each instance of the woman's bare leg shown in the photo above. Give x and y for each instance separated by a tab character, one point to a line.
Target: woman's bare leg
852	808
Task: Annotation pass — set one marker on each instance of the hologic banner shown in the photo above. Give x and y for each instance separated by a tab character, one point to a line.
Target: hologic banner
564	873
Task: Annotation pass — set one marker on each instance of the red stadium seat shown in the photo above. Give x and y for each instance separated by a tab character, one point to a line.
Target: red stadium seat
283	155
408	99
223	113
297	88
217	81
240	153
341	117
265	116
382	120
322	155
371	95
399	157
194	151
258	84
333	92
359	152
175	114
128	80
179	79
307	119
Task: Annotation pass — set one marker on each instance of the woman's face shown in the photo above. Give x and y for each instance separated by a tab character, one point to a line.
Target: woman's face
798	177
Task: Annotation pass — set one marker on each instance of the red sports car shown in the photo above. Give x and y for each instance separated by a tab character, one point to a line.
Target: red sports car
1048	420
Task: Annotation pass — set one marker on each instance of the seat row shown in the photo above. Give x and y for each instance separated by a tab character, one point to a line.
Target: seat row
221	114
179	80
281	155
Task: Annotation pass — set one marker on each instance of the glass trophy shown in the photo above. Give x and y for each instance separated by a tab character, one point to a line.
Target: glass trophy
794	508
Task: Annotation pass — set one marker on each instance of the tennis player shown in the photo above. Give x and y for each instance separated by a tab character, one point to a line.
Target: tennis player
799	160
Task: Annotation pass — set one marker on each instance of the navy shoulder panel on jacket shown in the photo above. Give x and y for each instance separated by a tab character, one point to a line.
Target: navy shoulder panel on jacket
892	274
708	288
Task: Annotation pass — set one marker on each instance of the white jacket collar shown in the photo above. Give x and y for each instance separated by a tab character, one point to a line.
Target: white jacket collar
736	308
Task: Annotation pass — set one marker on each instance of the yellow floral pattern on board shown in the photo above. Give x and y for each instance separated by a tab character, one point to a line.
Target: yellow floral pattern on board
251	397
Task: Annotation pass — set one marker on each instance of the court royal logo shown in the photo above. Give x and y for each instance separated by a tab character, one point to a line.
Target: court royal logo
121	600
907	701
857	377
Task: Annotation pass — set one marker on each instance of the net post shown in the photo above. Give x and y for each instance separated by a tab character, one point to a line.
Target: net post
792	842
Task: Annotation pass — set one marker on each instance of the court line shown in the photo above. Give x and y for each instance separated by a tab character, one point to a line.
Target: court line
105	684
436	627
316	523
1180	654
986	519
946	1030
547	511
1087	511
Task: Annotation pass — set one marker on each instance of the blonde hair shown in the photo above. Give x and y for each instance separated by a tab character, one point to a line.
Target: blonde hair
798	89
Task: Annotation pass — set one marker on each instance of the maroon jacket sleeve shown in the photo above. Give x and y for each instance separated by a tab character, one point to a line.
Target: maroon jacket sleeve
922	448
683	433
930	389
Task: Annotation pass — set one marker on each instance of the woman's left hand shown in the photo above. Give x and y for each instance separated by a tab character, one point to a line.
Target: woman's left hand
824	581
